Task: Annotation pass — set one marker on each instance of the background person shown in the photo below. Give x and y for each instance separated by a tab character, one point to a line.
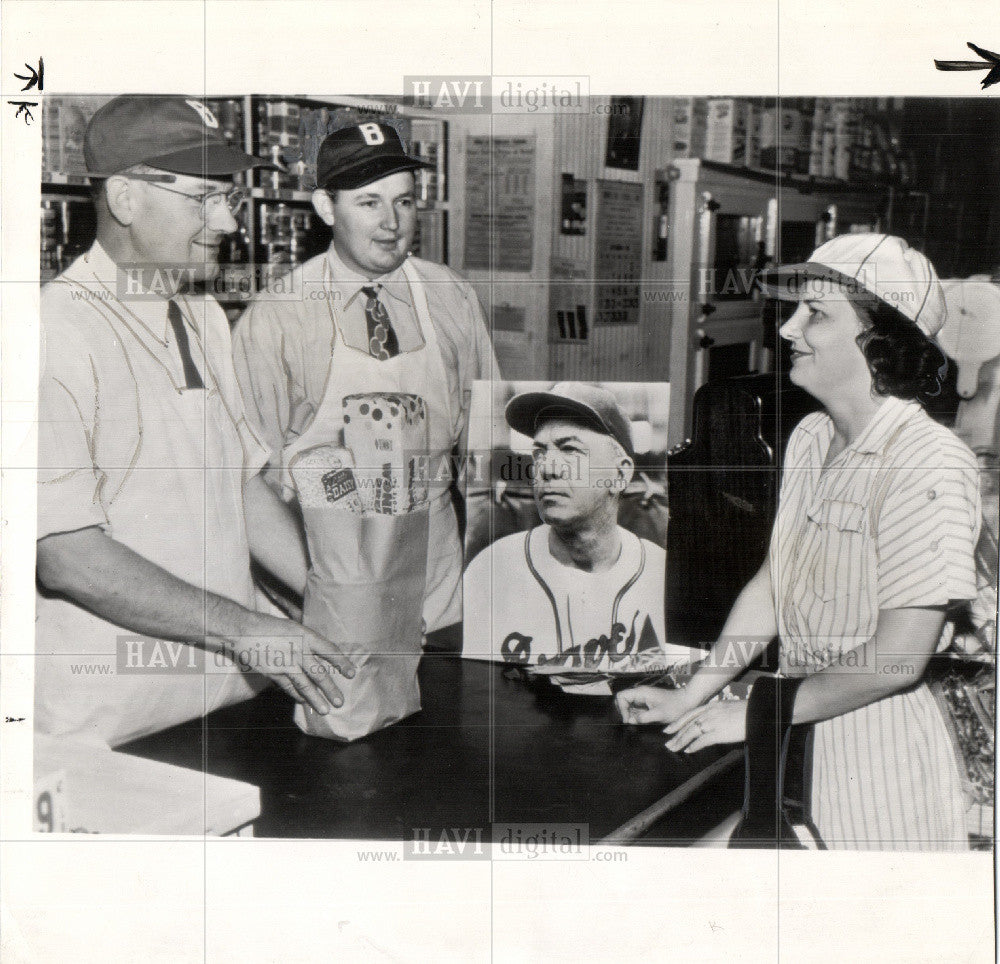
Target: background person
879	513
149	497
371	318
579	585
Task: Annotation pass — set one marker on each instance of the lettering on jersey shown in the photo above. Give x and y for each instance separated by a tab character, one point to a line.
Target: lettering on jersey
573	656
516	648
620	646
606	651
594	651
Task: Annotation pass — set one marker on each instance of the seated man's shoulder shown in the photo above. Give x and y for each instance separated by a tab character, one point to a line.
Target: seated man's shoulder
503	550
656	555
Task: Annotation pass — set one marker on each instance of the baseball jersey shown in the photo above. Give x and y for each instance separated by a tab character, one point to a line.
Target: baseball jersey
523	606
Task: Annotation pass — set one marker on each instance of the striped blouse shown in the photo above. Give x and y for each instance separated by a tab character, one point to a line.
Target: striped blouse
890	523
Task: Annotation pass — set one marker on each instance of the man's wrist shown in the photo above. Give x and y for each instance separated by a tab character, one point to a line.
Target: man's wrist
227	623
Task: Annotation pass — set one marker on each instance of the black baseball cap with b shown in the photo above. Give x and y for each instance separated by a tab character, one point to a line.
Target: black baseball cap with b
171	133
354	156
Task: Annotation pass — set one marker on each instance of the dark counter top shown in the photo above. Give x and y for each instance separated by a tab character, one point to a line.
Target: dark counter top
488	747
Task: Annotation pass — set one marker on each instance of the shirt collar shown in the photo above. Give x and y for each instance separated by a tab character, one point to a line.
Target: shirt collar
96	266
879	434
348	282
881	431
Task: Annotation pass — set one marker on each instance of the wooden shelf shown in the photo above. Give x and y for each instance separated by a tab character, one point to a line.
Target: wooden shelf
803	183
282	196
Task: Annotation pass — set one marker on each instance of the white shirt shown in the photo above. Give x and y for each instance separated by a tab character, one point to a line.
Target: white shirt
524	606
891	522
123	446
283	343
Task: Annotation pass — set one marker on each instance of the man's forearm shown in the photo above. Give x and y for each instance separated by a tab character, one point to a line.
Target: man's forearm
126	589
275	536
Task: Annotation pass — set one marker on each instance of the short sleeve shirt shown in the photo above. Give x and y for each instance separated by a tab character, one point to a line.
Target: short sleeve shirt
892	522
284	341
123	445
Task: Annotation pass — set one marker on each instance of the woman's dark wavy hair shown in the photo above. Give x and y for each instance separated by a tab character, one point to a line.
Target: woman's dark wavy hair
903	361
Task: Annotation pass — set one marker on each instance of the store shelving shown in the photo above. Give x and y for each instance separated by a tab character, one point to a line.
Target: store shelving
278	226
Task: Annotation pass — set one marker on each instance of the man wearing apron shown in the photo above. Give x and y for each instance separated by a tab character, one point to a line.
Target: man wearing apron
366	317
149	493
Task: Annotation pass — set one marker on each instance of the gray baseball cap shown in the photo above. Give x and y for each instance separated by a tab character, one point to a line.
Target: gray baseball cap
589	405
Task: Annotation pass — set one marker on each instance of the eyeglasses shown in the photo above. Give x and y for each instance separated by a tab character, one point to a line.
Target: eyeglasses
234	198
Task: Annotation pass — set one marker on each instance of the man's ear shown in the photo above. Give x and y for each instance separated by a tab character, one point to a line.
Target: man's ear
119	193
323	206
626	470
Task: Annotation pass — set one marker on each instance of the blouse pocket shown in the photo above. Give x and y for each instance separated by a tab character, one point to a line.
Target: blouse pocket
840	562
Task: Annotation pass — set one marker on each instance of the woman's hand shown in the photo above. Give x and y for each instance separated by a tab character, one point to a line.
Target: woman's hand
724	721
652	704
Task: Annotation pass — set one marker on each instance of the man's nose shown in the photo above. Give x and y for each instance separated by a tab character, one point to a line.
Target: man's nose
545	466
390	218
792	328
221	219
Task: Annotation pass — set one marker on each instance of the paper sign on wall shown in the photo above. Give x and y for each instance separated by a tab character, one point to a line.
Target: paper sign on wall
618	260
499	203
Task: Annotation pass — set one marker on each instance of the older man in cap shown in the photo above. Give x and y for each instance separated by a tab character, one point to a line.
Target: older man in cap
371	318
149	498
578	590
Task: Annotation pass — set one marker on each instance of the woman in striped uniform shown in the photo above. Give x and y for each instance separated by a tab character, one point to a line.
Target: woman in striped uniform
878	519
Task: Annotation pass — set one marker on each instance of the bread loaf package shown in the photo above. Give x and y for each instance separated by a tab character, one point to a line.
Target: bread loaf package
387	435
366	516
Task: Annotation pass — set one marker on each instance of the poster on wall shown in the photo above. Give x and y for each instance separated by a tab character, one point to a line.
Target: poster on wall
499	203
624	131
573	215
618	259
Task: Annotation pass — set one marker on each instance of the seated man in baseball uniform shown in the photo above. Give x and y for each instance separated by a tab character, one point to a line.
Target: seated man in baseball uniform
578	591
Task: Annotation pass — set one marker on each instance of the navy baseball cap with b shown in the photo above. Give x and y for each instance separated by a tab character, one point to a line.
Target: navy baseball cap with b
176	134
588	405
361	154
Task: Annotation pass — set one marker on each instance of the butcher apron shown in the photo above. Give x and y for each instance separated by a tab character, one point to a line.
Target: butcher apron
422	373
365	568
182	507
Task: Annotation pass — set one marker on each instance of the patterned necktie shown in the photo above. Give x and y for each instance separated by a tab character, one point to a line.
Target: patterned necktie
191	374
382	341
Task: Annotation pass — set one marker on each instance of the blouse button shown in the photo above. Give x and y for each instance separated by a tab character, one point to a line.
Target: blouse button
931	494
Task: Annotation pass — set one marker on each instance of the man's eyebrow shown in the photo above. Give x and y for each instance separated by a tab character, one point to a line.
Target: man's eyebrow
561	440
